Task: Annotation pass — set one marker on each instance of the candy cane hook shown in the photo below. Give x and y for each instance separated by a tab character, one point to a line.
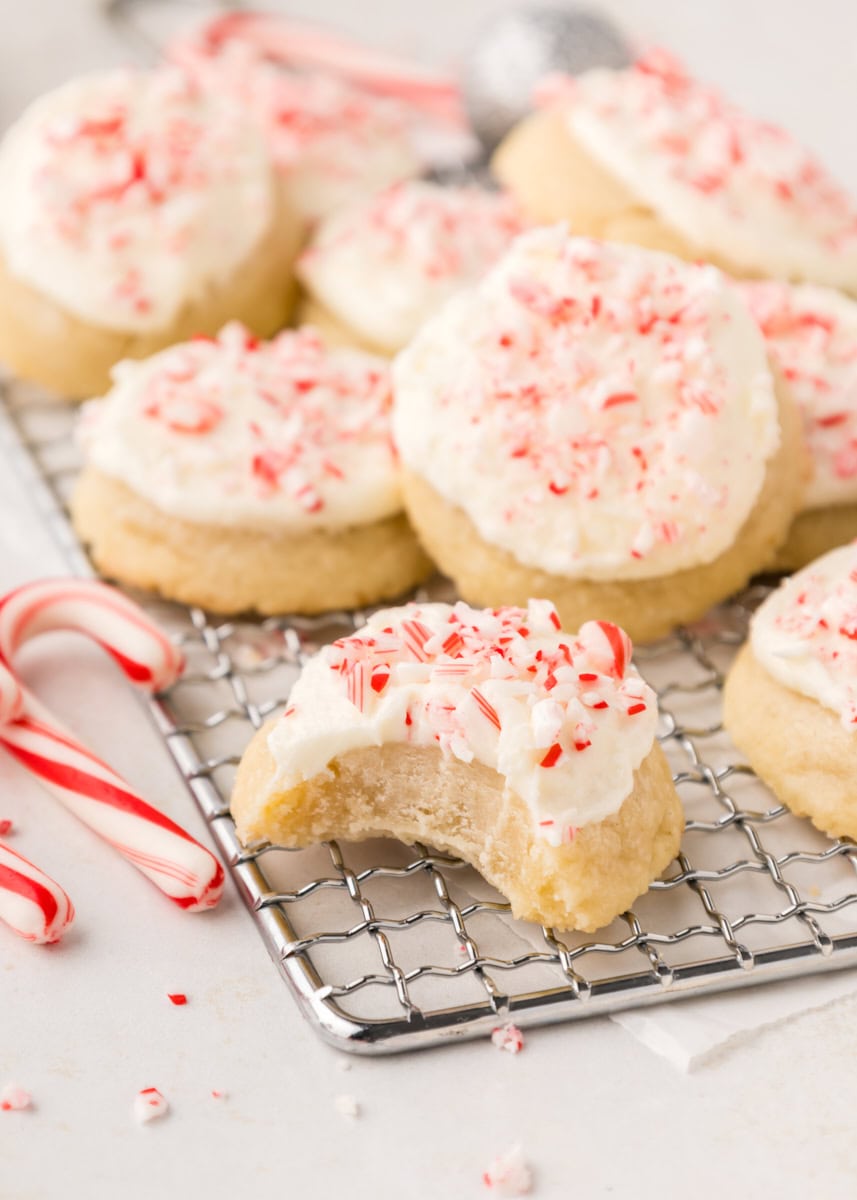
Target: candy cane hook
175	862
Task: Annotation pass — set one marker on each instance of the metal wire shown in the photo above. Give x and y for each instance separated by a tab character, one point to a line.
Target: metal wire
388	947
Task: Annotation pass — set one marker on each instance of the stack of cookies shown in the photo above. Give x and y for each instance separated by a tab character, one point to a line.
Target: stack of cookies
599	399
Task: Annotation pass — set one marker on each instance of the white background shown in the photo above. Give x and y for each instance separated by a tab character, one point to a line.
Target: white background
85	1025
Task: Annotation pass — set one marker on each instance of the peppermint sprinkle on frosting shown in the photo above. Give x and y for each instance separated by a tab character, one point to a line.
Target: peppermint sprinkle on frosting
331	141
233	431
418	242
126	194
805	633
811	333
564	718
596	410
736	188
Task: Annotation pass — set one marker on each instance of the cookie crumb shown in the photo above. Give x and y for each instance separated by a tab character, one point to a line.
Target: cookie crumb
14	1098
509	1038
509	1174
347	1106
149	1104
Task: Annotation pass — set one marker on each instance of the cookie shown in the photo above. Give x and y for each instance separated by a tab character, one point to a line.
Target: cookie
598	424
811	335
134	213
493	735
418	243
790	700
242	475
652	156
333	142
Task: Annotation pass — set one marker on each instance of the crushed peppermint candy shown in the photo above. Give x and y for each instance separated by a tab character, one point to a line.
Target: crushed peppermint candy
149	1104
14	1098
564	717
509	1038
177	998
509	1174
236	431
811	333
599	411
128	184
347	1106
735	187
805	633
217	1094
333	137
416	239
6	827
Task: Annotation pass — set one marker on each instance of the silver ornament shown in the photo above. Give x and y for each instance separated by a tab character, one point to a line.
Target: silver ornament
515	52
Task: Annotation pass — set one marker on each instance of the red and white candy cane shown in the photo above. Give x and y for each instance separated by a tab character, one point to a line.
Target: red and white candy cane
31	903
184	870
299	44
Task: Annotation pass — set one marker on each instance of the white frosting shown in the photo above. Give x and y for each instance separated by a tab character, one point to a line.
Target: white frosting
564	719
805	633
418	243
597	410
811	334
333	142
731	185
282	434
126	194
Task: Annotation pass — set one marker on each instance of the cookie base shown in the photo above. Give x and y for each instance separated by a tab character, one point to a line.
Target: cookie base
231	570
487	575
44	343
799	748
813	533
334	330
415	794
554	178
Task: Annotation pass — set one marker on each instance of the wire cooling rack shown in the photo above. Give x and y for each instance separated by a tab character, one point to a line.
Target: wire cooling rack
388	947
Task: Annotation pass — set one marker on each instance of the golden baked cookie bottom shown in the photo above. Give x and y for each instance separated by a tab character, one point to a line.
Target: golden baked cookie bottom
815	531
554	178
231	570
334	330
487	575
796	746
44	343
415	794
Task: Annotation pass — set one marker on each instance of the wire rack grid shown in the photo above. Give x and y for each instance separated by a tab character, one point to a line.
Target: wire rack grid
388	947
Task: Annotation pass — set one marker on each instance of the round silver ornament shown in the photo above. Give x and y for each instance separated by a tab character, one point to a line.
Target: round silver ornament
516	51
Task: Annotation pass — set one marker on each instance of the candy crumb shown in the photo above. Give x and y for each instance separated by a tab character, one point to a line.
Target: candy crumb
508	1038
347	1106
344	1064
509	1174
216	1094
14	1098
177	998
149	1104
5	827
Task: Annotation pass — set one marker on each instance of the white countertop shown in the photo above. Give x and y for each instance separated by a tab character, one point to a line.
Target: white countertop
86	1024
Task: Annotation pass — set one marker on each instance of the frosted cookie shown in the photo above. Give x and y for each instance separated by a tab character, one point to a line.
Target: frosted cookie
597	424
134	212
649	155
415	244
243	475
333	142
790	701
529	752
811	334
